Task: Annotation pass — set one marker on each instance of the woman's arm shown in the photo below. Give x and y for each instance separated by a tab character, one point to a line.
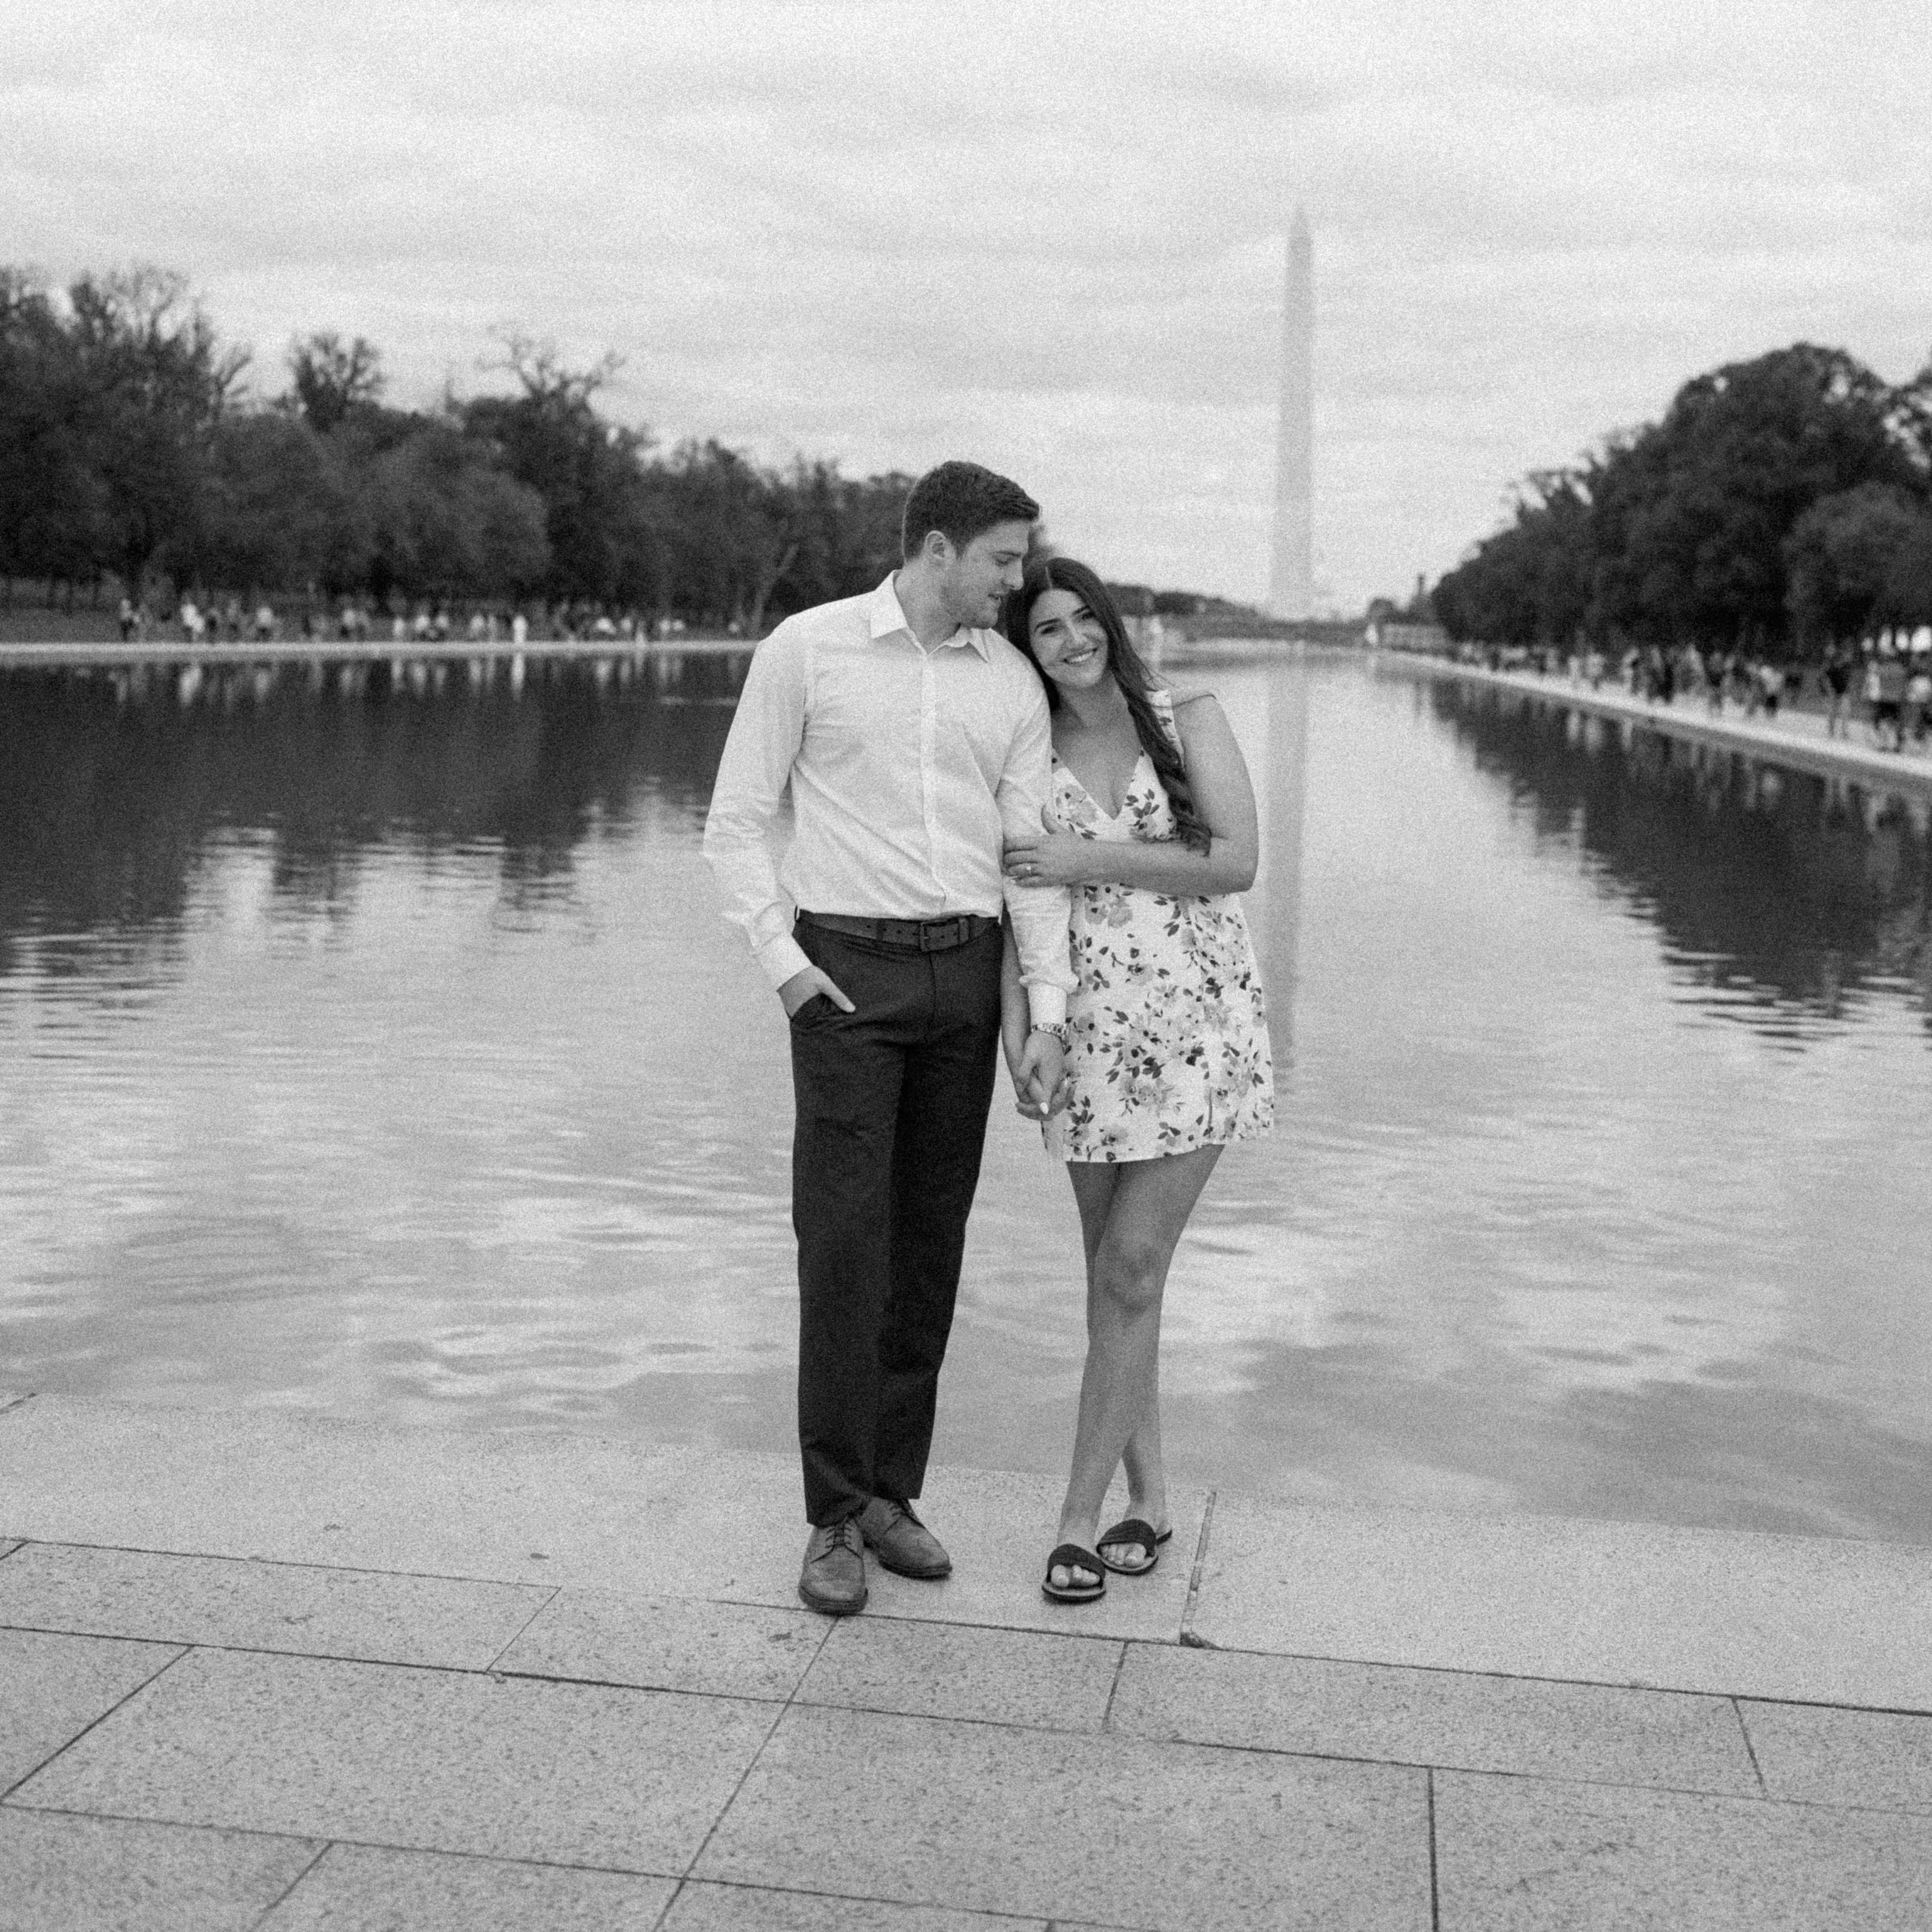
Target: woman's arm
1224	801
1015	1018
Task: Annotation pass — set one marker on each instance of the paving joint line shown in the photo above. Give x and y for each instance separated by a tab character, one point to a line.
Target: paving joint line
348	1844
872	1898
1622	1687
1187	1634
275	1904
752	1764
493	1666
310	1563
1751	1750
1113	1687
153	1677
1434	1893
375	1663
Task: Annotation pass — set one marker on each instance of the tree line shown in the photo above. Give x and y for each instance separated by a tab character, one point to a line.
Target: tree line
1781	504
131	447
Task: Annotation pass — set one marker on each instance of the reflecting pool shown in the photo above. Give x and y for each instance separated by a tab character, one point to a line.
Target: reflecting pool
381	1053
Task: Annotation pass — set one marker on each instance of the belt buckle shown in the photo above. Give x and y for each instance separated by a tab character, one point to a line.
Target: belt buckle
930	931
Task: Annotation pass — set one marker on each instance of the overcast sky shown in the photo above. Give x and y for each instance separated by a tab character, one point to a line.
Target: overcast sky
1046	236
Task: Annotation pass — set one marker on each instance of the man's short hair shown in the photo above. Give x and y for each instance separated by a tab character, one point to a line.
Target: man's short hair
961	501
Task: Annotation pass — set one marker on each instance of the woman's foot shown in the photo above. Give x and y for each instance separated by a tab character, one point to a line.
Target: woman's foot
1074	1575
1132	1545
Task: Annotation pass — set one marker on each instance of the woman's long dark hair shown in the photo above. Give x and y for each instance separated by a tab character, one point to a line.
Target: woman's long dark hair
1045	573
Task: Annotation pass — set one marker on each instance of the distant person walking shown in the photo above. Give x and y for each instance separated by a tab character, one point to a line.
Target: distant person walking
913	740
1918	717
1835	679
1885	689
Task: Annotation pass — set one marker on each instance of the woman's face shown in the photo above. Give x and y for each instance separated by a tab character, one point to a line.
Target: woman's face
1068	639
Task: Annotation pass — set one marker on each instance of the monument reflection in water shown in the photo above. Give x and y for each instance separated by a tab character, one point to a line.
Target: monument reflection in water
382	1053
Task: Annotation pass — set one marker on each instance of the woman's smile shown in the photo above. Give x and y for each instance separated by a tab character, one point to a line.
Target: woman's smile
1068	640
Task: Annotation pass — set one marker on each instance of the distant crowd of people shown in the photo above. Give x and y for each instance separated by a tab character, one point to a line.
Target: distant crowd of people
1887	677
234	621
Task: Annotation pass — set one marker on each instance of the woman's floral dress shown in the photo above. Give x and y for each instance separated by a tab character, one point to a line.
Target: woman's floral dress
1170	1047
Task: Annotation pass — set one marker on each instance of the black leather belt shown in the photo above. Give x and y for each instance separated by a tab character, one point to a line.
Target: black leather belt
928	935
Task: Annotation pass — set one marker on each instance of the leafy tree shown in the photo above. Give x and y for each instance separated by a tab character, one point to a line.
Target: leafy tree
157	383
279	508
586	471
448	521
52	505
1689	526
1852	558
331	379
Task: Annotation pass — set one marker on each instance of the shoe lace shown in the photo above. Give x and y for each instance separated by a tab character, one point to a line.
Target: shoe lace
846	1535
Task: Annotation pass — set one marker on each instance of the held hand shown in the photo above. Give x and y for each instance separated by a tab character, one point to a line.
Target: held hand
1039	1079
808	985
1048	858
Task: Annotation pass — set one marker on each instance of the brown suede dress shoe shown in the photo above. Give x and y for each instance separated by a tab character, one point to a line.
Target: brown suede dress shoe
902	1542
833	1581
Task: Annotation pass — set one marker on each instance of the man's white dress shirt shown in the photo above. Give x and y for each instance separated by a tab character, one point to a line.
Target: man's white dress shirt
907	768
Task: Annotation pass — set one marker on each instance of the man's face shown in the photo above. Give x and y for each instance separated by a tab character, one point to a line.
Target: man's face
974	581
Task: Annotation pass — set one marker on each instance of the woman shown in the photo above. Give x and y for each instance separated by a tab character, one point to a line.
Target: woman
1152	821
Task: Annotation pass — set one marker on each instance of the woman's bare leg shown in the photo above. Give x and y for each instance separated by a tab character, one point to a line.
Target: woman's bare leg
1132	1215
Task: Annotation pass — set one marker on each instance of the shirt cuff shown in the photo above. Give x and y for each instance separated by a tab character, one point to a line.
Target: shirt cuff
1045	1006
782	959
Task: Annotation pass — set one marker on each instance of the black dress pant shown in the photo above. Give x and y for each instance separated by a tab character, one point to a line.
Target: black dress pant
892	1101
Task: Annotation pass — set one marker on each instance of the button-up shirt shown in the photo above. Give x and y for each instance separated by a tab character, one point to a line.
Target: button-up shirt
908	767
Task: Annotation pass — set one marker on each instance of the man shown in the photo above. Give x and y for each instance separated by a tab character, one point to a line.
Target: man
913	739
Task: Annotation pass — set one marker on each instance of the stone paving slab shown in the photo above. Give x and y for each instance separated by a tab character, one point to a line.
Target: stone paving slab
943	1670
432	1760
1874	1758
368	1888
669	1643
65	1874
52	1687
735	1908
525	1506
1094	1830
1394	1715
314	1611
1518	1854
1816	1619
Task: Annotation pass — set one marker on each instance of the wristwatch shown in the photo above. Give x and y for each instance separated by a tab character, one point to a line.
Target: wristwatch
1059	1029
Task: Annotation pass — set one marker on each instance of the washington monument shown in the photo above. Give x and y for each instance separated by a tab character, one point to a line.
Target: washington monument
1291	583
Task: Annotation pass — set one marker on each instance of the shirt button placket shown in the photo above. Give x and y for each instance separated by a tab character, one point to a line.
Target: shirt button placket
929	735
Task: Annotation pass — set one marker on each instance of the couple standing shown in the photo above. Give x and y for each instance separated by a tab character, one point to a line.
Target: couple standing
938	774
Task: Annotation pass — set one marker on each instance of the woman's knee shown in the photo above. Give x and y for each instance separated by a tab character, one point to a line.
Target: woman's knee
1130	1271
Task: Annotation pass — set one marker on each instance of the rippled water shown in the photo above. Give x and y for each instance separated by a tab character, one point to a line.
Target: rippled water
384	1056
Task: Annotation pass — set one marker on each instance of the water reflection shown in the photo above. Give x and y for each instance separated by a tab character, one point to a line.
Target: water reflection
1795	891
112	785
377	1049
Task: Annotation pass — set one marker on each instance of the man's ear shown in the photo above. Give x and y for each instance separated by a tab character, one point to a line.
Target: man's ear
937	550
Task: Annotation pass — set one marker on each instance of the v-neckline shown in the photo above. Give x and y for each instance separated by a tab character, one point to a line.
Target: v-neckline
1126	795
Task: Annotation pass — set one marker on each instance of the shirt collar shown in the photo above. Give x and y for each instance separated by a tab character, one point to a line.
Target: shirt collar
886	617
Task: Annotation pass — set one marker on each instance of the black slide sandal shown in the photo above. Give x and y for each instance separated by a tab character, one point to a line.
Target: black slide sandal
1071	1556
1133	1529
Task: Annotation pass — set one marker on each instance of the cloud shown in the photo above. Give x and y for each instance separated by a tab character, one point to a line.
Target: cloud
1050	235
